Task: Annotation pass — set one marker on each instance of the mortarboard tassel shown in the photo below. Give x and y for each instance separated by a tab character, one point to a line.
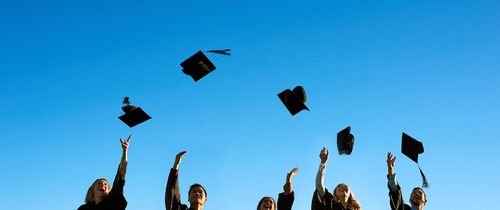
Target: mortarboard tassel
425	184
220	52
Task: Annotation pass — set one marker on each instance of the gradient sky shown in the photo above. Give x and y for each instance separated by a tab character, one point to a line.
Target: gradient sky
428	68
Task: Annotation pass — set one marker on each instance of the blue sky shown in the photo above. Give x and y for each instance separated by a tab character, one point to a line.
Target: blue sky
428	68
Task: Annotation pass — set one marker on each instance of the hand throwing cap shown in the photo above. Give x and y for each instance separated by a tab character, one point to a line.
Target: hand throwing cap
294	99
133	115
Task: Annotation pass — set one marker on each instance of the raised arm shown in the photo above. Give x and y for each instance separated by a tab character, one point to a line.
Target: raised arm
116	192
172	191
124	160
287	188
320	176
119	181
395	196
286	198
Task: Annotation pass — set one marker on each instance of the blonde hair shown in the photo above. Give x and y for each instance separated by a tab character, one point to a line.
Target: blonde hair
90	192
352	203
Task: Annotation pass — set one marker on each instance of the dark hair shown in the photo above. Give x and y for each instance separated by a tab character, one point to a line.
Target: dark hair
262	200
196	185
419	188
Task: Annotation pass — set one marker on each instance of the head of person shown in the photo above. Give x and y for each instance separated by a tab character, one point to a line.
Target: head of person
418	197
197	194
343	192
99	189
266	203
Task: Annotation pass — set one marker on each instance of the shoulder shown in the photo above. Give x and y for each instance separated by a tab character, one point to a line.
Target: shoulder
117	198
328	194
83	207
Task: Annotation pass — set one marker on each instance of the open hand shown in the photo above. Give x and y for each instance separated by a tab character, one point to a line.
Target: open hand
291	174
178	159
390	163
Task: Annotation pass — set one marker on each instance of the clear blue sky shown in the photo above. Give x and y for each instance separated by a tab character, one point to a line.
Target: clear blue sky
429	68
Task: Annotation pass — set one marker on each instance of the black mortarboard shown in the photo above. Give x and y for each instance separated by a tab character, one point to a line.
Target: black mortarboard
294	99
197	66
412	148
345	141
133	115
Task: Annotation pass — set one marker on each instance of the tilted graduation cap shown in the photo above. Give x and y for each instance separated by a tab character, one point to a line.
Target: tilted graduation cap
133	115
412	148
294	99
198	65
345	141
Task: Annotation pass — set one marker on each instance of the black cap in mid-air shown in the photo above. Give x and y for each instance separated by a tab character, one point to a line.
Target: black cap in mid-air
345	141
197	66
294	99
412	148
133	115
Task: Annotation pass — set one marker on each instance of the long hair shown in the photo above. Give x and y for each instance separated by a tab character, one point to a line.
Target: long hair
262	200
352	203
90	192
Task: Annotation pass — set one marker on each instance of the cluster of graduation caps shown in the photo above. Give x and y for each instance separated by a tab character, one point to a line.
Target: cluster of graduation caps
198	66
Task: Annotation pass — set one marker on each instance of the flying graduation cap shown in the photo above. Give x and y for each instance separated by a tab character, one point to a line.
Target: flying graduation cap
412	148
345	141
294	99
198	65
133	115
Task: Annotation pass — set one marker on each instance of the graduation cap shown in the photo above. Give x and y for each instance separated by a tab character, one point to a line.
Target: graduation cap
198	65
294	99
133	115
345	141
412	148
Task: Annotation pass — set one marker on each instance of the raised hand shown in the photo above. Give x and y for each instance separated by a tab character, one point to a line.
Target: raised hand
287	188
323	155
178	159
125	143
390	163
290	175
123	163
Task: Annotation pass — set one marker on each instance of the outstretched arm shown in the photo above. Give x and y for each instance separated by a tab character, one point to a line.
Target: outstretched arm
124	160
320	176
119	181
172	191
286	198
395	197
287	188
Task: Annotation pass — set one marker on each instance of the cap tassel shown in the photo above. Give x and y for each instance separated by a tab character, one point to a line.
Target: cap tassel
425	184
220	52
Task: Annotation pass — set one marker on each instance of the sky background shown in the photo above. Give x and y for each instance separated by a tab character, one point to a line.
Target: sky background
428	68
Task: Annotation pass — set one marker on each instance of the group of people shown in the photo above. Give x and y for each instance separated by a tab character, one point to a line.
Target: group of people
102	196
